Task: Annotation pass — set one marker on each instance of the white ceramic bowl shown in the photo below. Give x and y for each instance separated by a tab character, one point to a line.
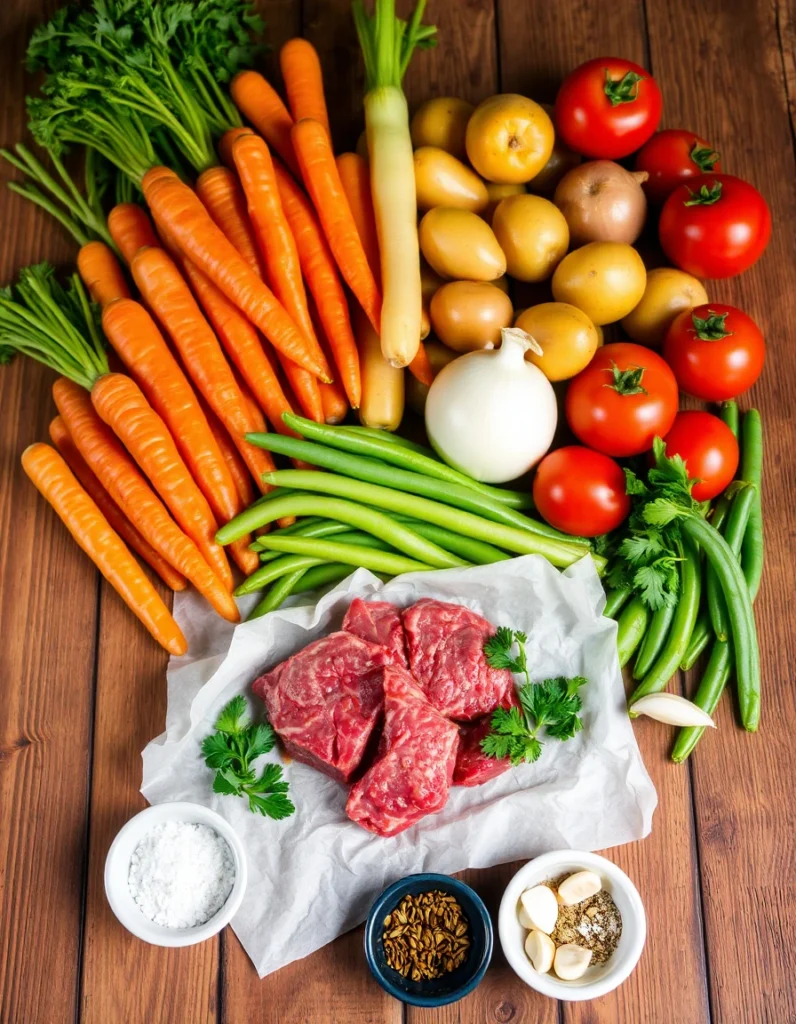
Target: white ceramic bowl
117	867
598	980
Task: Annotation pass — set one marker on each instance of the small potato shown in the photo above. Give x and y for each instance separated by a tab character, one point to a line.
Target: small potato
567	337
497	193
442	180
502	283
604	279
417	392
442	122
668	292
533	234
460	245
468	315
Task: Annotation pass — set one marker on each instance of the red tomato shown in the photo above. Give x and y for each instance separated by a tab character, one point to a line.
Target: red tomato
580	491
715	226
607	108
715	351
625	396
671	157
709	449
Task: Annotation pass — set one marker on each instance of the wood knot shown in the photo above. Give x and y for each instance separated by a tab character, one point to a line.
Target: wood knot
505	1012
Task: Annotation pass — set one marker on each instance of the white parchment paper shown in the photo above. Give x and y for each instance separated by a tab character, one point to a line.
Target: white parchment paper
314	875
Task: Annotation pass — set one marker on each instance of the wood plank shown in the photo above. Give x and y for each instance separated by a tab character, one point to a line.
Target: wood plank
742	798
538	46
48	608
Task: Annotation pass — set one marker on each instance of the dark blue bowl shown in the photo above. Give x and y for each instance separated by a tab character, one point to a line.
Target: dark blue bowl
449	987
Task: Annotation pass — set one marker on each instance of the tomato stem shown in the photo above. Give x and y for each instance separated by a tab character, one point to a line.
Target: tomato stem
627	382
622	90
712	327
706	196
704	157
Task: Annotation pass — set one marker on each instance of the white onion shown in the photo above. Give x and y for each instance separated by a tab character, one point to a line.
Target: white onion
491	414
602	202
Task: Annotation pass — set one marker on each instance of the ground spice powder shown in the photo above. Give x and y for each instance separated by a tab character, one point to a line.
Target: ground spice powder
594	923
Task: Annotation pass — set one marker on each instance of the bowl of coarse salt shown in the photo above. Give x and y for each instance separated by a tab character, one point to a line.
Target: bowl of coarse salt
175	874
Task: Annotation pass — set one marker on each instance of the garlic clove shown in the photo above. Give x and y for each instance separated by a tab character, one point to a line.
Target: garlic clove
541	907
540	950
579	886
525	921
571	961
672	709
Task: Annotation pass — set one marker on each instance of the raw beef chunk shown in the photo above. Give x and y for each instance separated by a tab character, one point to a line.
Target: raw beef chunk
414	766
325	701
446	656
379	622
473	767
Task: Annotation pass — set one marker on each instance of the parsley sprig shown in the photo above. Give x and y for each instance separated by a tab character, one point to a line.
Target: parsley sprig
231	750
551	707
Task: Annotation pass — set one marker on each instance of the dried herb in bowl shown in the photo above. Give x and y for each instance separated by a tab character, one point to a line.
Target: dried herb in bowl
426	936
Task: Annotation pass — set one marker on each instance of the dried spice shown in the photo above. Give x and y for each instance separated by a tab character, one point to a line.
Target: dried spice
426	936
594	923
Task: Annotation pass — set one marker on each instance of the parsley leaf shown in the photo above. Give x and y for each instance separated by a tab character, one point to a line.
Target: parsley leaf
231	750
498	650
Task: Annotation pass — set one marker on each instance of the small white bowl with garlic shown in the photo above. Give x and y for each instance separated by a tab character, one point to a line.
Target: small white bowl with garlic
516	914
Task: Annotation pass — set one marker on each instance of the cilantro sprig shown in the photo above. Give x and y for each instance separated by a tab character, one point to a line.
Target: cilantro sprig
231	751
551	708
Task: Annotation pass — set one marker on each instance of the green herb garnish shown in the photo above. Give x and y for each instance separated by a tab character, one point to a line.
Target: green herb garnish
230	751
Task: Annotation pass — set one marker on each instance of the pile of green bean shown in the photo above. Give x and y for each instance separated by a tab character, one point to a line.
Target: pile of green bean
385	504
714	607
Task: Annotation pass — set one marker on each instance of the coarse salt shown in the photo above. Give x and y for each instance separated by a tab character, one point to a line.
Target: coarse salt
181	874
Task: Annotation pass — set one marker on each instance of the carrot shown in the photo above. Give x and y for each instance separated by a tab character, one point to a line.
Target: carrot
261	104
163	287
62	440
420	367
101	273
303	78
189	224
220	191
319	171
335	405
133	334
131	229
123	406
119	476
225	145
383	385
320	271
355	179
103	545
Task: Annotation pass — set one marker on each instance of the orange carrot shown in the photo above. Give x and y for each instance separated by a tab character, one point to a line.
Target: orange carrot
92	531
303	78
163	287
320	271
225	144
237	467
133	334
355	179
335	404
319	171
101	273
131	229
420	367
261	104
220	191
180	211
119	476
62	440
123	406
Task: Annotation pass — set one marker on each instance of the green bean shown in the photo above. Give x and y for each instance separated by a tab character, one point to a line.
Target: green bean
615	600
476	551
654	639
630	629
318	528
728	411
299	526
372	471
359	516
682	624
272	571
739	609
734	530
753	548
321	575
281	590
283	491
366	540
385	435
707	696
519	541
700	638
397	455
353	554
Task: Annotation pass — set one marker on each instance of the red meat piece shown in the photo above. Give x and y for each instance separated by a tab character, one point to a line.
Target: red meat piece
473	767
325	701
379	622
414	766
446	656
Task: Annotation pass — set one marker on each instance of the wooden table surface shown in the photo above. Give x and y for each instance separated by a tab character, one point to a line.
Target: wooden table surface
82	685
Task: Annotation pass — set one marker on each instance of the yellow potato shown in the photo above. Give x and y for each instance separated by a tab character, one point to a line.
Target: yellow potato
668	292
502	283
509	138
600	335
497	193
417	392
442	122
442	180
467	315
604	279
533	234
459	244
566	335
